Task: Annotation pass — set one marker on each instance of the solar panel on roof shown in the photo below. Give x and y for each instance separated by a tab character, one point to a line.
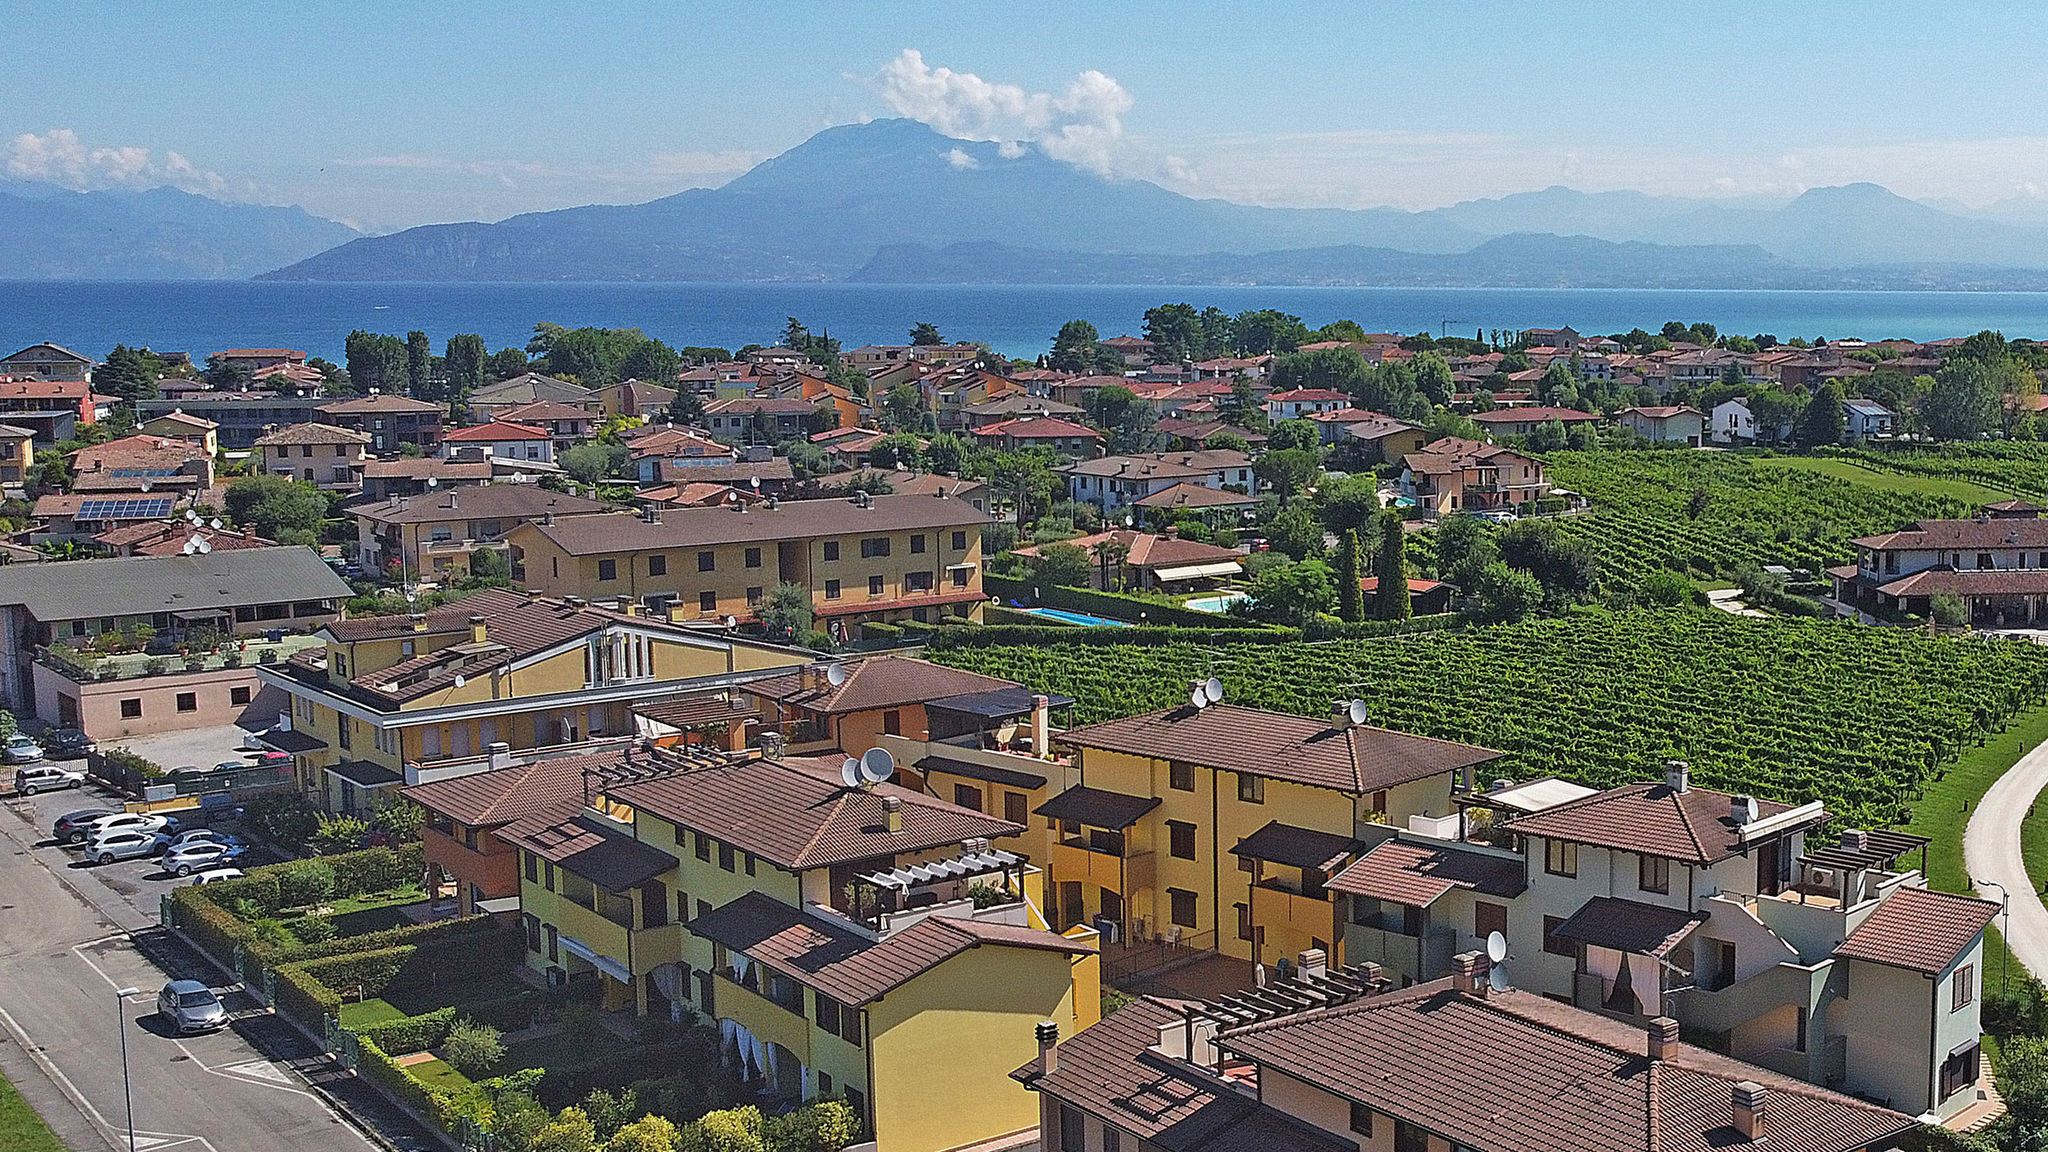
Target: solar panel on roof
142	473
129	508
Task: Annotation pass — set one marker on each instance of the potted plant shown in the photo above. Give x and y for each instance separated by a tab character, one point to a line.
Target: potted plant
156	666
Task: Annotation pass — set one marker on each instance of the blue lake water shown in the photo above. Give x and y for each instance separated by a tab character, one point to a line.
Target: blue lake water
204	316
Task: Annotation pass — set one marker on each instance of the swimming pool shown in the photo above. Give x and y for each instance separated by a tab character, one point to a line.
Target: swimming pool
1218	603
1080	618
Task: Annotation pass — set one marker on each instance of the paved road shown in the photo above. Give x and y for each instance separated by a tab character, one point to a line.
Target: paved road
1991	851
67	948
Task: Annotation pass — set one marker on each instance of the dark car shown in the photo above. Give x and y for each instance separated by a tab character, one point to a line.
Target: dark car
67	744
70	827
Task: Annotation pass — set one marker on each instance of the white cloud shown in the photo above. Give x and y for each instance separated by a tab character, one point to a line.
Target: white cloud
60	157
1082	125
960	159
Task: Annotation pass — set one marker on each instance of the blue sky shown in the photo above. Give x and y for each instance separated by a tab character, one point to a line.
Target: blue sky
391	114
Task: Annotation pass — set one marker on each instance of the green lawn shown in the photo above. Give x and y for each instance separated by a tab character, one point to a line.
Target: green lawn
364	1013
1888	481
2034	846
21	1130
439	1076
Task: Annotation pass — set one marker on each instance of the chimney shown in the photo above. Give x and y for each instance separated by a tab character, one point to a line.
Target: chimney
1468	970
1747	1100
1041	726
1315	962
1048	1034
1677	776
547	519
1742	809
1856	839
479	632
1340	714
1663	1037
501	754
892	808
419	621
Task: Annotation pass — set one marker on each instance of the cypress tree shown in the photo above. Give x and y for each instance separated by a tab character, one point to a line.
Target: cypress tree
1391	566
1350	597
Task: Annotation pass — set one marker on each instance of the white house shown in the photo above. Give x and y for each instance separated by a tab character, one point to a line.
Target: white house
502	439
1869	420
1680	424
1304	402
1732	423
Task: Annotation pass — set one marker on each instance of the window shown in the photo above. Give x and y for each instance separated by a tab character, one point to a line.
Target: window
1962	988
1073	1130
873	547
1180	837
532	867
754	596
707	561
967	796
1409	1137
1560	857
753	557
727	859
131	708
1984	560
547	875
1180	776
188	701
1653	874
345	729
703	847
238	695
857	1101
707	601
875	586
917	581
682	906
657	565
1016	807
1552	943
1799	1031
1361	1119
750	863
1251	789
892	722
607	569
1959	1071
831	589
1244	921
824	1084
1183	911
960	577
1112	1140
917	544
831	549
826	1012
959	541
554	951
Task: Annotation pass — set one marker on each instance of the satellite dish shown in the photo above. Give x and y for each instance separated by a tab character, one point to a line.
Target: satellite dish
202	545
1357	713
460	680
850	772
1213	690
1496	947
732	622
192	514
756	482
191	546
835	674
877	765
433	481
1497	978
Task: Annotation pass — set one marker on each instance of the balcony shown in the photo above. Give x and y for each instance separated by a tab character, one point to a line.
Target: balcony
770	1021
1105	869
1423	957
1274	906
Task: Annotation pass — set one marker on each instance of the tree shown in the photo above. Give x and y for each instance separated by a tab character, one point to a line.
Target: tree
227	375
376	362
569	1131
1294	434
1664	589
473	1048
506	363
1350	595
1567	568
1353	502
462	362
1390	602
1338	369
1294	594
947	452
1296	532
1948	609
1464	547
1964	400
1822	424
419	363
1433	378
129	373
1073	349
687	407
591	462
1288	470
654	362
902	406
1773	410
1268	330
924	334
1501	594
650	1133
1175	331
1548	436
896	450
1064	564
787	611
285	510
490	566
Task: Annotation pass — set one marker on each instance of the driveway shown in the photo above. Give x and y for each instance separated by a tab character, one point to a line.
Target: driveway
1991	852
198	747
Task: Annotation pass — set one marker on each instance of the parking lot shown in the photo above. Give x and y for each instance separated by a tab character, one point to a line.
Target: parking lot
194	747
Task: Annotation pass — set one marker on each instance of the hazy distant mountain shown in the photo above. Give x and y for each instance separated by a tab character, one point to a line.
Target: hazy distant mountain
858	200
160	234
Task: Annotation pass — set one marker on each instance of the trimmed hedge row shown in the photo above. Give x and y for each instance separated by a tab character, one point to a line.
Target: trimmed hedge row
378	1065
309	989
410	1033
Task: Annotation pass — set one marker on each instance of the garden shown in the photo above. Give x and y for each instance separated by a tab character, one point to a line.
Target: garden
1789	710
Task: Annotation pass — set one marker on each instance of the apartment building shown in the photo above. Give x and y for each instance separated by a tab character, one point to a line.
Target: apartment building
1455	475
319	454
503	440
568	425
1301	403
874	697
1334	1060
184	426
390	421
856	942
1114	481
495	667
1524	421
49	362
1997	565
240	416
437	534
864	559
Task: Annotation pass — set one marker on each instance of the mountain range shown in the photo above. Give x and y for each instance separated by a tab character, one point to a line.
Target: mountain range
893	201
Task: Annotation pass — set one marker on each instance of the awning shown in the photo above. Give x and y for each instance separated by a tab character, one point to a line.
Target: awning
933	871
996	703
619	862
290	740
1199	571
364	774
975	770
1278	843
501	904
1097	808
598	960
1629	926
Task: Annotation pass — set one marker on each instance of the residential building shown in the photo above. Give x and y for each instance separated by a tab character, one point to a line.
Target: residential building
566	424
1125	558
660	450
17	455
869	558
1012	405
1666	424
239	417
319	454
486	402
48	362
53	409
261	361
637	398
1732	423
1454	475
827	930
391	421
1382	438
1198	433
1997	565
1208	502
1868	420
1563	339
1114	481
1136	351
1523	421
417	475
143	465
876	696
177	538
505	441
760	420
437	534
178	425
495	667
868	357
1301	403
1425	597
1332	1059
973	493
1064	437
236	592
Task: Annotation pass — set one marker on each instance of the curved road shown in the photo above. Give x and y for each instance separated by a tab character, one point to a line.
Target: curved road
1991	851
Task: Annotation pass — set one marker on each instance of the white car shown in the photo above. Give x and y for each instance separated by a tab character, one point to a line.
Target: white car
44	777
124	844
217	875
20	749
198	856
123	822
193	836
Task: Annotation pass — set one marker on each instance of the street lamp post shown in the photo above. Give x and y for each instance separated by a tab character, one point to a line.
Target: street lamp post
127	1095
2005	911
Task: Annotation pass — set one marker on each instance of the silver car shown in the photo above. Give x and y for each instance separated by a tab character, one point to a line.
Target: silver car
47	777
198	856
123	844
189	1006
122	822
20	749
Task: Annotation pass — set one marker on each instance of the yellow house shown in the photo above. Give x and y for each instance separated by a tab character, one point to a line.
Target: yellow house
879	558
181	425
499	667
437	532
17	453
319	454
855	942
1219	826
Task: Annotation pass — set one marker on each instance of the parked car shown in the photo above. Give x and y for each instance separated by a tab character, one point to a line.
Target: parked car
184	771
268	759
198	856
67	744
229	766
190	1006
122	822
217	875
71	827
20	749
204	836
46	778
123	844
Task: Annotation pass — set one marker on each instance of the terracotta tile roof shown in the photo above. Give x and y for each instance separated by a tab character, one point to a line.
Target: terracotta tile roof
846	965
1097	807
1416	584
1451	455
586	845
876	682
1310	396
734	472
1281	746
920	600
766	405
550	786
1202	430
1695	826
497	430
262	354
1629	925
1038	428
1200	462
152	538
1525	1074
1186	495
312	433
1661	412
798	814
527	387
516	627
1919	929
500	502
421	467
929	483
176	416
1539	413
145	451
540	410
1404	872
1145	550
1962	534
1294	846
696	495
382	403
792	520
1972	582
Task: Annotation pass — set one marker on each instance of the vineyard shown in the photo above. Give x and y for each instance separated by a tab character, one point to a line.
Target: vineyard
1792	711
1711	512
2016	466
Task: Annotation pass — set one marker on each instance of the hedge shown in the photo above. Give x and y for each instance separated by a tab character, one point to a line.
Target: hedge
1114	605
1040	634
997	614
411	1033
309	989
379	1066
366	870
